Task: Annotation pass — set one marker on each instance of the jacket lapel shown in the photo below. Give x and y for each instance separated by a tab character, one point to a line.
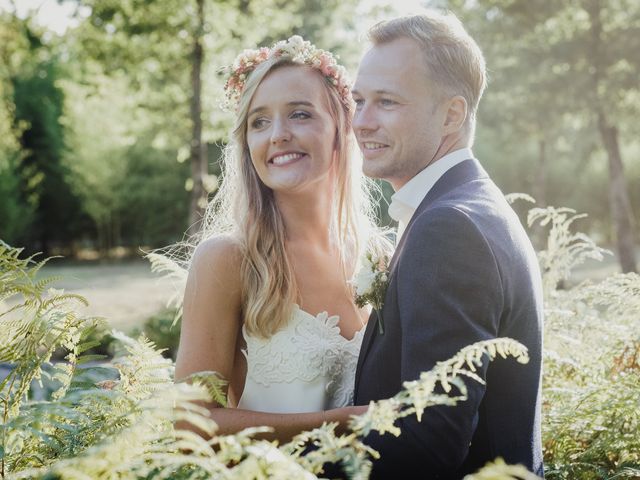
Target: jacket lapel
460	174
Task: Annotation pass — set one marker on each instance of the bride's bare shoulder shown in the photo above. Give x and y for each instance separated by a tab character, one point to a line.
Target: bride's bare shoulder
218	259
219	249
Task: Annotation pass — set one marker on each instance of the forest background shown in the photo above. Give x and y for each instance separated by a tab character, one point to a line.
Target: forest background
110	136
111	129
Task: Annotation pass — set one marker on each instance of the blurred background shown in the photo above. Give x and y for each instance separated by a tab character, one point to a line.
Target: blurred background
111	130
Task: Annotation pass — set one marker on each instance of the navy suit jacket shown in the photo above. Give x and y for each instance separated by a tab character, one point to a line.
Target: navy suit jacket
464	271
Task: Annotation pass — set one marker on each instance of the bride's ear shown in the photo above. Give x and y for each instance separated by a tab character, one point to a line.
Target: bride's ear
456	114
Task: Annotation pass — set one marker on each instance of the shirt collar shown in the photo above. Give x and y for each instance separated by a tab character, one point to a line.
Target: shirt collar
406	200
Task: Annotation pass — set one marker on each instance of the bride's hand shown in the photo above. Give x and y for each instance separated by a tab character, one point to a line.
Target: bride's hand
358	409
343	415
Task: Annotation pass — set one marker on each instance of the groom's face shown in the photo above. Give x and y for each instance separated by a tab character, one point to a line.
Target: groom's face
399	113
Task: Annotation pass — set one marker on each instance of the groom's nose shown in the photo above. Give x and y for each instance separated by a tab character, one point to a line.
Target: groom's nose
364	120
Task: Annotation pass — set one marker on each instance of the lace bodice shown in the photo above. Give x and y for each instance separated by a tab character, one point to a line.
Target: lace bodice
307	366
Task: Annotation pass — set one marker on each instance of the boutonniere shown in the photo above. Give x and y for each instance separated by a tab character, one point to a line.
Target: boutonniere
371	284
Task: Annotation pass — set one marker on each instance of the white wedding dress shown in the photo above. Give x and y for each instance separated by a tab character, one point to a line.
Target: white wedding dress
305	367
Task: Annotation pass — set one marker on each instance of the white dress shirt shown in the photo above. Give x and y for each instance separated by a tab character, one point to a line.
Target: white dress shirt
406	200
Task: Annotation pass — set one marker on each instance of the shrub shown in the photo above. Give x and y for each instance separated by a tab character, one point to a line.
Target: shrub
163	330
591	380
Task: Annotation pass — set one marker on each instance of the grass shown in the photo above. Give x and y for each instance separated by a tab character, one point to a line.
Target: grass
125	292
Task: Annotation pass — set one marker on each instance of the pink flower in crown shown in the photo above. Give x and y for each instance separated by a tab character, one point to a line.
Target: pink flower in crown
300	51
262	55
327	65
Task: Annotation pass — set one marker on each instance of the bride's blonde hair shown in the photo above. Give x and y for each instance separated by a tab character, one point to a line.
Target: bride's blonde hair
245	208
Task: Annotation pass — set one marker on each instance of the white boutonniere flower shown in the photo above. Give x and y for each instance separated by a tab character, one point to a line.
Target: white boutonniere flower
370	284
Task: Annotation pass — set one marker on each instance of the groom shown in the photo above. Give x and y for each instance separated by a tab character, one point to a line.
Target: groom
464	269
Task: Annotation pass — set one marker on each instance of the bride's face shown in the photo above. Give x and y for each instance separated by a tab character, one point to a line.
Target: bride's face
290	132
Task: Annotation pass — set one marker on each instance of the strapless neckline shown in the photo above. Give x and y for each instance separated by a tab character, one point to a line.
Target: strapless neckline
305	366
335	319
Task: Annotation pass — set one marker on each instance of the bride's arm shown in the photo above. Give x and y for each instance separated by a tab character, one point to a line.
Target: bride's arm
211	324
285	425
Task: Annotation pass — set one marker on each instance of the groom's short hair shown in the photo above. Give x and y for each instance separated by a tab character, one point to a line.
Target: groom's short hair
453	59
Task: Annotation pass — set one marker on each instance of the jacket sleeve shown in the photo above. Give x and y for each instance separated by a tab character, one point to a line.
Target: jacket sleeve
450	295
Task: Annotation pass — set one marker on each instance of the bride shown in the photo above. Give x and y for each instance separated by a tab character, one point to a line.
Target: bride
268	304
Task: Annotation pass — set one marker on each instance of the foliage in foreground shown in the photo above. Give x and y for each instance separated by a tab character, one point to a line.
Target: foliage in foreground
116	420
591	380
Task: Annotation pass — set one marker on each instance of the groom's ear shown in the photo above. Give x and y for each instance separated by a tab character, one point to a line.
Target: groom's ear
456	114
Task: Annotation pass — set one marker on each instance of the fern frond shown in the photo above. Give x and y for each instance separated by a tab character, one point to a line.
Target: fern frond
144	369
565	250
163	264
58	299
420	394
34	330
513	197
174	272
265	460
348	450
499	470
41	285
145	443
213	382
38	265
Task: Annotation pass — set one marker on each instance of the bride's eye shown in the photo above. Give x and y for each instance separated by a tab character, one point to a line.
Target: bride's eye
300	115
258	123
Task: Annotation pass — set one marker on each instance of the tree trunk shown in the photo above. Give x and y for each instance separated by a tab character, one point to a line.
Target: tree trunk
621	212
198	148
99	231
103	236
108	234
620	205
117	229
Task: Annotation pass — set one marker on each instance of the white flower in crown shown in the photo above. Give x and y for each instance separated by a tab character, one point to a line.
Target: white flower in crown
370	283
299	51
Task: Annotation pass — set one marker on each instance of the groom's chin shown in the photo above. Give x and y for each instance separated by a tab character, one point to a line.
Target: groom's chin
373	170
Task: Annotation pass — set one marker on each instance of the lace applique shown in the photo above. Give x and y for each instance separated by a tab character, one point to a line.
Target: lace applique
307	347
343	372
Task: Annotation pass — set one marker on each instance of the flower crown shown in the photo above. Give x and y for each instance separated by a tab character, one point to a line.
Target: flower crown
299	51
